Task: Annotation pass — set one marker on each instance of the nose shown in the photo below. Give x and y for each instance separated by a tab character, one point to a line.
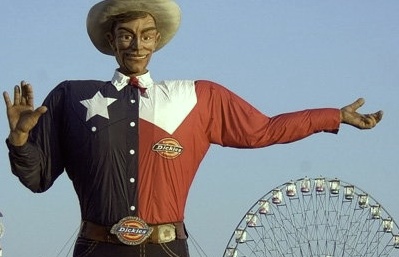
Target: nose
136	43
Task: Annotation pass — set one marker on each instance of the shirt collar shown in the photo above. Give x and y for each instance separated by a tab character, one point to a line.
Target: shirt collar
120	80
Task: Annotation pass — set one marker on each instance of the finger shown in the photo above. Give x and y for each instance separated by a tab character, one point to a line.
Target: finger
371	120
17	95
7	100
378	116
28	94
24	90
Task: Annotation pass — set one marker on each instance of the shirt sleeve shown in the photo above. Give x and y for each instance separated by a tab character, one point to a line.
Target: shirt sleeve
235	123
39	162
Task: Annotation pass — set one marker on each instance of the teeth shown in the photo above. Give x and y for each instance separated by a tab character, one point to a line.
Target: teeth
137	57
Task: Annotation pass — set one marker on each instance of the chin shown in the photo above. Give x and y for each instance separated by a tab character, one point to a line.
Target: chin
136	69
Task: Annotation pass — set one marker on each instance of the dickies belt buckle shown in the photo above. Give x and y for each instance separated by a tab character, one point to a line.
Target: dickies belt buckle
131	230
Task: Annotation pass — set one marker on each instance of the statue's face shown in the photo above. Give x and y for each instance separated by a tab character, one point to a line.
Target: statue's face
133	43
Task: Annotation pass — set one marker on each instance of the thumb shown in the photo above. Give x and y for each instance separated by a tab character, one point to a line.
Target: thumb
38	113
41	110
357	104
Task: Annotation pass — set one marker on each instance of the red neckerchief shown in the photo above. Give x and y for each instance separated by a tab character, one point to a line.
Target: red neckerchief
135	83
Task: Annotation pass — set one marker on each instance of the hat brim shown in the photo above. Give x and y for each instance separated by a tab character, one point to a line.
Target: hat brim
166	13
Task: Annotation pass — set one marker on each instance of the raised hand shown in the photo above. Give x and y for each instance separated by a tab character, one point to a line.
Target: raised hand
350	116
22	116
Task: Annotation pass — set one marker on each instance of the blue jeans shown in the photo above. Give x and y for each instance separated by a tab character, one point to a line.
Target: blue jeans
90	248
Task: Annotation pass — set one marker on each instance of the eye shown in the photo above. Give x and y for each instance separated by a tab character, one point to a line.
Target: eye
147	38
125	37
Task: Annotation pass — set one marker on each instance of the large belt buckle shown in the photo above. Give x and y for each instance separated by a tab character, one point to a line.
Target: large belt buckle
131	230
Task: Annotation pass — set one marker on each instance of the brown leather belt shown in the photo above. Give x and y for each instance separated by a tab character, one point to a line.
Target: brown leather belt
93	231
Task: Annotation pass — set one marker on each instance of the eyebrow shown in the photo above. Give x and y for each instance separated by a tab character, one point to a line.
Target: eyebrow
131	31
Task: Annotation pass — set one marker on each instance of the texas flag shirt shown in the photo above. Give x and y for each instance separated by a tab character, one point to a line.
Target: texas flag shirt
135	153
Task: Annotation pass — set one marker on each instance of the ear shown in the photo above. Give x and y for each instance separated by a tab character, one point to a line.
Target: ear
111	40
157	39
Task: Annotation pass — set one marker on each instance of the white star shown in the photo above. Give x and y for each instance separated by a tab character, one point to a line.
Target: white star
98	105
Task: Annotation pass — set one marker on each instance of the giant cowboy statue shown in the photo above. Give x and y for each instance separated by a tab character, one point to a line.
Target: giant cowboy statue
132	146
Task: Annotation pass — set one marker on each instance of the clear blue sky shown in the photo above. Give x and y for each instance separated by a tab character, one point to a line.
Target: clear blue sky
281	56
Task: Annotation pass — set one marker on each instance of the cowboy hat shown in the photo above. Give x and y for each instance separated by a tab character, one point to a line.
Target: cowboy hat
165	12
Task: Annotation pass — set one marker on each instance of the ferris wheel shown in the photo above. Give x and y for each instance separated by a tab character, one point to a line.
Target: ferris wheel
318	217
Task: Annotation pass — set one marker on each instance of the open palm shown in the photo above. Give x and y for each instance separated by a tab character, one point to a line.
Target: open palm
22	116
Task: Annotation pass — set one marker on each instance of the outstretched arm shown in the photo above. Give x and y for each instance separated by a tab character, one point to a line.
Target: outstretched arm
350	116
22	116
